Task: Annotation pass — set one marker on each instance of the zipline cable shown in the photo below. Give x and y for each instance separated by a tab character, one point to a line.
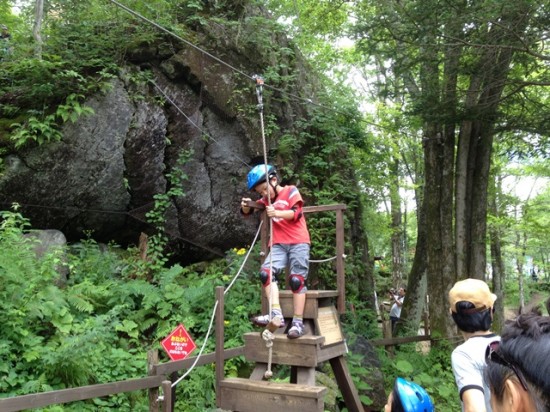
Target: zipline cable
158	26
309	101
199	128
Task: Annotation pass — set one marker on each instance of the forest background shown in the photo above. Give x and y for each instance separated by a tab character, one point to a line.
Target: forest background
451	103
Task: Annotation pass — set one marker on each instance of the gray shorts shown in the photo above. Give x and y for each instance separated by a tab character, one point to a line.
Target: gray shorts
296	257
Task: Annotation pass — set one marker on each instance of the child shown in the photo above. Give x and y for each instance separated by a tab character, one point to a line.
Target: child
518	367
289	246
472	305
408	397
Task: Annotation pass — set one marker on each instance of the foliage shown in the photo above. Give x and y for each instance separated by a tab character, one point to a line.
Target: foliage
432	371
156	258
116	305
46	129
63	334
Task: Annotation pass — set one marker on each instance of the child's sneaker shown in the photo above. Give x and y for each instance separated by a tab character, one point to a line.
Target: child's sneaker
296	330
263	320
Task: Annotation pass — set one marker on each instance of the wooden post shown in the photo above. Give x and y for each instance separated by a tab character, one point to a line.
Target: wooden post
388	330
153	359
219	342
346	385
340	274
426	323
173	377
167	393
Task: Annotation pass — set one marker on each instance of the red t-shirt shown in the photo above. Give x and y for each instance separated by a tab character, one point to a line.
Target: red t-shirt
292	231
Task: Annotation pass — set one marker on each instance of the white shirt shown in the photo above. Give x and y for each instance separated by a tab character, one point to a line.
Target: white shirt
468	362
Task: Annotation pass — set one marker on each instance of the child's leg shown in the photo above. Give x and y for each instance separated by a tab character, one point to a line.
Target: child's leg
299	301
273	265
299	267
272	294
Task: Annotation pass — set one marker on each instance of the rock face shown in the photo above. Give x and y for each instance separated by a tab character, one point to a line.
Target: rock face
103	176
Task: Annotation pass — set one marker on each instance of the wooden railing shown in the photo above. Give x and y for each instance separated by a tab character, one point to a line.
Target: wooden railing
157	378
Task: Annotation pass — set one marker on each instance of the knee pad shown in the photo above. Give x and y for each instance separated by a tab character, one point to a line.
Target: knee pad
265	278
297	283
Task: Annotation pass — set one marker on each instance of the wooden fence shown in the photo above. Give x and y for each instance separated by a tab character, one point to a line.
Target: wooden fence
158	374
158	377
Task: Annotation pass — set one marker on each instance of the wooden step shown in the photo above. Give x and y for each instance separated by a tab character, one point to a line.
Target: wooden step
314	300
305	351
244	395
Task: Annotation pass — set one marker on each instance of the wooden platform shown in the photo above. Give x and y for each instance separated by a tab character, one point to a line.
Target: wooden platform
314	300
306	351
244	395
322	341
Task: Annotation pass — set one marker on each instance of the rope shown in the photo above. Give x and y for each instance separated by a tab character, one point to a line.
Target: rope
266	335
325	260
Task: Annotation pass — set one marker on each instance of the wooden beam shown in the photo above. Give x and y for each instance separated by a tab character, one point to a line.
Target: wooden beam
219	341
346	385
340	268
306	209
205	359
40	400
399	340
324	208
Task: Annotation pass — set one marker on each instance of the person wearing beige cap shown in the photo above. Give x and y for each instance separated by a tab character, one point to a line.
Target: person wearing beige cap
471	305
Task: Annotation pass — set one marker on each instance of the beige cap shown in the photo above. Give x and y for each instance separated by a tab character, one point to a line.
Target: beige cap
472	290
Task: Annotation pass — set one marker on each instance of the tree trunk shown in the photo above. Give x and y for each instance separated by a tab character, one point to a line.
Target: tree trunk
417	285
475	144
396	227
474	151
362	279
520	260
437	206
497	263
37	28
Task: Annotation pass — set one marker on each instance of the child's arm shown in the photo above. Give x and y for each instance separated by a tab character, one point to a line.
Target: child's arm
282	214
248	206
244	206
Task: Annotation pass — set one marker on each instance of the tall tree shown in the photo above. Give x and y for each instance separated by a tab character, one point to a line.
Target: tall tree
37	28
454	59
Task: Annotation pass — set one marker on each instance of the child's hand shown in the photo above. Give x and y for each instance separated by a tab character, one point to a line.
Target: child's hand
271	212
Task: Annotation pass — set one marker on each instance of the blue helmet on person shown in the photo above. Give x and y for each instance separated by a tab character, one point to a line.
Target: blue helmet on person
257	175
413	397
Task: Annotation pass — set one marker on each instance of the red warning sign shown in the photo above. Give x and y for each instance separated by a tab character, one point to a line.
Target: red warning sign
178	345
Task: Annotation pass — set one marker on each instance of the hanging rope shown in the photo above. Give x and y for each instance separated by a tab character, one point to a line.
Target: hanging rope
267	335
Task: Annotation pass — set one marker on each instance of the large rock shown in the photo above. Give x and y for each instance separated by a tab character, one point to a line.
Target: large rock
51	241
104	174
370	361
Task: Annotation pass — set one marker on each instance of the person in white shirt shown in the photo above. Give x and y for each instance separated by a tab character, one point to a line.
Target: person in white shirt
472	306
395	311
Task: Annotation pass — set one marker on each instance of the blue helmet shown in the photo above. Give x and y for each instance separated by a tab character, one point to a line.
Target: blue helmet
412	396
257	175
